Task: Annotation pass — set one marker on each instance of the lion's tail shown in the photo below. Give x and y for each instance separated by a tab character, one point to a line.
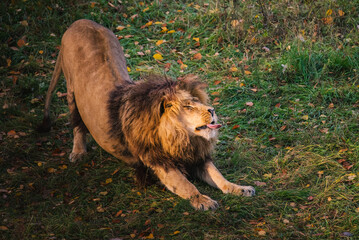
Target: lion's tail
45	126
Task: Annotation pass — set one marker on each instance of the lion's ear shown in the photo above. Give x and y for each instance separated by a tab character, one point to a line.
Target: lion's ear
165	104
195	87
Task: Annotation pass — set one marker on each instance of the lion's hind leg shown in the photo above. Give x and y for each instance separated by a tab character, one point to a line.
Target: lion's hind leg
79	130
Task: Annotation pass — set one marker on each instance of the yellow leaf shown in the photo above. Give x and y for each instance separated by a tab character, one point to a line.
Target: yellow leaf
51	170
108	180
149	23
63	167
93	4
132	235
9	63
329	12
120	28
171	31
183	66
176	232
157	56
196	39
241	84
150	236
159	42
128	69
146	9
41	52
341	13
247	72
164	29
233	69
158	23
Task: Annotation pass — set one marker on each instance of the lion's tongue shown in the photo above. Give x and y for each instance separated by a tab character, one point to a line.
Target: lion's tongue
214	126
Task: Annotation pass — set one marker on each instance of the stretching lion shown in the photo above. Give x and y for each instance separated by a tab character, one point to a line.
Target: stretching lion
156	124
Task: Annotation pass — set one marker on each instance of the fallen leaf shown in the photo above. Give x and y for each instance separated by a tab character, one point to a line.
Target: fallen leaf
250	104
341	13
196	39
233	69
261	233
108	180
100	209
305	117
329	12
217	82
159	42
235	127
283	127
150	236
171	31
197	56
11	133
331	106
277	105
247	72
260	184
120	28
157	56
21	42
146	9
286	221
4	228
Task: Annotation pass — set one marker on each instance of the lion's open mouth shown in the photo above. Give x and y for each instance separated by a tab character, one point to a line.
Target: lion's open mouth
210	126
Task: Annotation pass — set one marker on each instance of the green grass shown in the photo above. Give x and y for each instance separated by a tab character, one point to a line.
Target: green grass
298	144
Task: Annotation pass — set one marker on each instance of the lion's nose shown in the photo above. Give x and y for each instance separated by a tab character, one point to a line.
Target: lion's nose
211	110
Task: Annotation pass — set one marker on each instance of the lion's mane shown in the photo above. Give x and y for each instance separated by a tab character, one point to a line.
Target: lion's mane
146	129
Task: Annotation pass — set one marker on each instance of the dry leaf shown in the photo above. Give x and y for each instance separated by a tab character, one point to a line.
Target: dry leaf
197	56
120	28
249	104
21	42
159	42
247	72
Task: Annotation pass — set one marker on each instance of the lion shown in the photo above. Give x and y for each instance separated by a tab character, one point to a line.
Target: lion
155	124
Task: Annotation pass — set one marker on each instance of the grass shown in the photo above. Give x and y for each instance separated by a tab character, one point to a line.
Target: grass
282	75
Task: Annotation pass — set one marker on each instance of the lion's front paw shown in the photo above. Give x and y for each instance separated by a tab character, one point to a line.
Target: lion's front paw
248	191
76	156
203	202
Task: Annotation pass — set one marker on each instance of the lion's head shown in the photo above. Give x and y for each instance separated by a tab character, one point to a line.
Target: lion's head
164	119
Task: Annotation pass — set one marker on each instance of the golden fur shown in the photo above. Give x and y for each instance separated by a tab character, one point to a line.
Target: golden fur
158	124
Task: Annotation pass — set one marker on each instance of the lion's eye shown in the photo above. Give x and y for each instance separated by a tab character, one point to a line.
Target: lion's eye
188	107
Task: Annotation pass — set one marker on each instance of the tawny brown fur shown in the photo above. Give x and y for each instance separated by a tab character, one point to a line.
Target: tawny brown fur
158	124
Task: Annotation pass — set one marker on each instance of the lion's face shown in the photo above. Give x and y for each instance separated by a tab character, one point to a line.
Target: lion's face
198	118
